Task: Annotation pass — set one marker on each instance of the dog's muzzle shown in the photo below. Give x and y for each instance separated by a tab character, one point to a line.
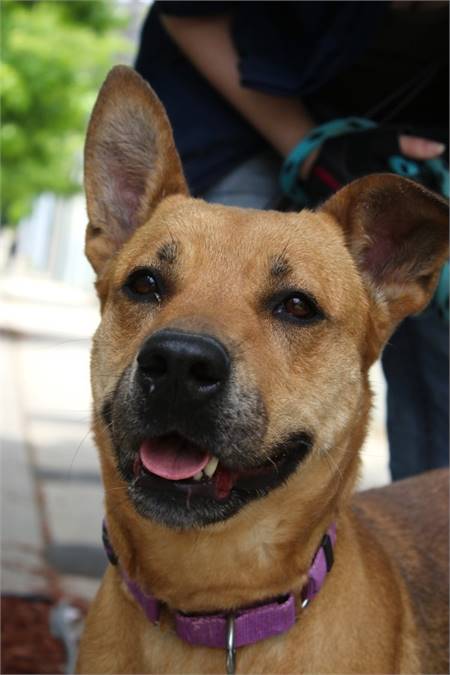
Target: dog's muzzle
188	432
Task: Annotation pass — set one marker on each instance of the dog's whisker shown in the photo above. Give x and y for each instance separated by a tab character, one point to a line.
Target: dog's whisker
77	451
334	467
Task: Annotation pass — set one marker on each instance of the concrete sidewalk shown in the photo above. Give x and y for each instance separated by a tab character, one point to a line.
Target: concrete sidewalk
51	487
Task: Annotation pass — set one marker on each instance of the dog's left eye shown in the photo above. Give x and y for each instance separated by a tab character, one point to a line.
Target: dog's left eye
141	285
297	307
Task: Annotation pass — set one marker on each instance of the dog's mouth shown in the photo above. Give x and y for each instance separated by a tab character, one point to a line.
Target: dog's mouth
173	464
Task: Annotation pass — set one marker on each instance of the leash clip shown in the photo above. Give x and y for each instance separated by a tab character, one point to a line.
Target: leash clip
231	649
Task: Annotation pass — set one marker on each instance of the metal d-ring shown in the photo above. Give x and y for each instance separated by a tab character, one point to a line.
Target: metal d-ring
231	649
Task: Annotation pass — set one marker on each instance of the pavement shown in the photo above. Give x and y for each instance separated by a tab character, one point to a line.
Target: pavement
51	487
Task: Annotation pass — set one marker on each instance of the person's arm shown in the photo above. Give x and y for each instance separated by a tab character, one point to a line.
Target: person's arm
283	121
207	43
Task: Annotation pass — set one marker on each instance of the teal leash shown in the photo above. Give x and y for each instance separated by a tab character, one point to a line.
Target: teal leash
292	164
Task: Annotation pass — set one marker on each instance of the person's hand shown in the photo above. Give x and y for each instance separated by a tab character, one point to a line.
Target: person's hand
343	158
420	148
411	146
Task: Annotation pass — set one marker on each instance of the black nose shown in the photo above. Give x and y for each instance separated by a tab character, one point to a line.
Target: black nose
184	365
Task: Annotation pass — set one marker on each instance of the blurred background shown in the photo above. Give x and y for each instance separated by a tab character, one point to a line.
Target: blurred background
54	57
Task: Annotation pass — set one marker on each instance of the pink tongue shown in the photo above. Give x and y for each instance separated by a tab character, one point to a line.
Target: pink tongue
172	457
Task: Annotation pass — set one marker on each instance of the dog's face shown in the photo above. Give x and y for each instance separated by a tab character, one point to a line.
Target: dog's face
234	344
228	336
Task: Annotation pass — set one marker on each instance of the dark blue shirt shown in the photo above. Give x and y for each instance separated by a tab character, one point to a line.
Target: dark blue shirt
285	48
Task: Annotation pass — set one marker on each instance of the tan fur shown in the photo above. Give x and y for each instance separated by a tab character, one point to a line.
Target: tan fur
381	609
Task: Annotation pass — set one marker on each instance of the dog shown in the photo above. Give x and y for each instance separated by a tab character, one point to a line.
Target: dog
230	402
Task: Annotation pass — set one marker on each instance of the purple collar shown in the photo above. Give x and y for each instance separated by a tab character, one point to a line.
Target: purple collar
246	625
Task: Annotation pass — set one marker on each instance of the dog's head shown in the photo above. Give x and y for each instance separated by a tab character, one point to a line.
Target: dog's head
232	356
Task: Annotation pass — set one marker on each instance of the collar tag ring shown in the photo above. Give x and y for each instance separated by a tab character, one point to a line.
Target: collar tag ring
231	649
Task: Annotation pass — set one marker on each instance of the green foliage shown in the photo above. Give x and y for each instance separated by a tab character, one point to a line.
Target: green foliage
54	57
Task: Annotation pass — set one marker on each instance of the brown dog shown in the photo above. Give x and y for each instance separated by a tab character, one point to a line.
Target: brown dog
245	337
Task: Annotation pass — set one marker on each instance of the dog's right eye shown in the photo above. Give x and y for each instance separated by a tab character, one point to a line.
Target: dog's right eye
142	286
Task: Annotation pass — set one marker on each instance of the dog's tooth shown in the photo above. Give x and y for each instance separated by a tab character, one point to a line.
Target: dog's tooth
211	467
198	476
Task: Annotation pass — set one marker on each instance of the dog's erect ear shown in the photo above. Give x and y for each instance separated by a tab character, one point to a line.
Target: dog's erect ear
397	231
130	162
